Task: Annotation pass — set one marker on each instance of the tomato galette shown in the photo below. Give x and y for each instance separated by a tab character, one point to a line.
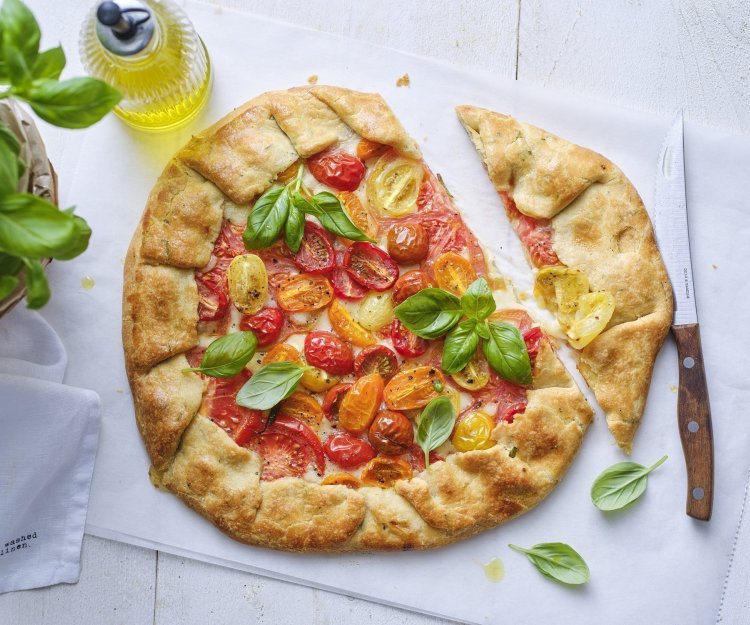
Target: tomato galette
319	354
587	233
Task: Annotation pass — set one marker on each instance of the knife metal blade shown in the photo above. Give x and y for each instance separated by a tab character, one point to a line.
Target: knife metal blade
693	408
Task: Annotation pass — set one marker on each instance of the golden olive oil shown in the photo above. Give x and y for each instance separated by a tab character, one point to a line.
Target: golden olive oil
158	62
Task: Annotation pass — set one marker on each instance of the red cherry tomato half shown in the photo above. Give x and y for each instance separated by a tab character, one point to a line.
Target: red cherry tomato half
376	359
337	169
315	254
511	411
405	342
332	401
348	451
304	435
370	266
416	458
343	285
266	325
213	301
533	339
327	351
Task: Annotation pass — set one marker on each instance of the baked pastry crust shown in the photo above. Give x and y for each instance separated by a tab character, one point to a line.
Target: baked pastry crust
217	174
600	226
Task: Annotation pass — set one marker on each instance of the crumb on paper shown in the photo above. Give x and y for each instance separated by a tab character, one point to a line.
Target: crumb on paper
714	266
404	81
424	138
673	388
122	260
119	390
312	79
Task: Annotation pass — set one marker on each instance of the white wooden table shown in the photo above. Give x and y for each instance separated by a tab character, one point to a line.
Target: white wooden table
657	55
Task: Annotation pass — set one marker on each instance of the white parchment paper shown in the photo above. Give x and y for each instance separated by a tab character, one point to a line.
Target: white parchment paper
650	563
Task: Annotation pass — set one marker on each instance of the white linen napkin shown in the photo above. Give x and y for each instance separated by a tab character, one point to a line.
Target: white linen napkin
48	438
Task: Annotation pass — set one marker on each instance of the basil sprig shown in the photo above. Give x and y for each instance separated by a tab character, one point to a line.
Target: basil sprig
557	561
31	228
432	313
435	426
228	355
270	385
284	209
621	484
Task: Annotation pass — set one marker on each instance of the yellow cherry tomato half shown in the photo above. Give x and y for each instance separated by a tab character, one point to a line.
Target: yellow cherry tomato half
303	407
358	213
360	404
341	479
475	375
283	352
317	380
344	325
248	283
454	273
474	432
375	311
558	288
593	312
393	185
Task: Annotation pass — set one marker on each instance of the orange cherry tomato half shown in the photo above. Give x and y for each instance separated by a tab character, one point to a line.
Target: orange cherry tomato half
410	283
315	254
413	388
304	292
337	169
454	273
348	451
302	407
367	149
361	403
266	325
391	432
376	359
367	264
341	479
283	352
332	401
384	472
347	328
327	351
408	243
358	213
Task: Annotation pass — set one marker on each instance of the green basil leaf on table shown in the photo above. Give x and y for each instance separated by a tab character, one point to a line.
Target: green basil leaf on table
8	170
621	484
7	285
266	220
228	355
505	350
332	216
49	64
18	70
20	28
430	313
435	425
80	243
73	103
477	302
270	385
294	228
557	561
37	288
33	227
460	345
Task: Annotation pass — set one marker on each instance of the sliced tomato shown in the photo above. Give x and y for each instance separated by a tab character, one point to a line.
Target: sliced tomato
376	359
405	342
315	254
221	408
519	318
266	325
252	422
304	435
510	411
337	169
535	234
370	266
332	401
212	284
213	302
347	451
343	284
195	356
533	339
327	351
416	457
281	455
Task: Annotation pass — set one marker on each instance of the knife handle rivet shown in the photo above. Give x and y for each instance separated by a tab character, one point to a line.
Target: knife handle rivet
688	362
698	493
693	426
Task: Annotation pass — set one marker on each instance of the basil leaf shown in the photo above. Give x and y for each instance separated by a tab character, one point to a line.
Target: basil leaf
9	139
8	170
557	561
435	425
483	330
7	285
228	355
266	220
332	216
295	228
621	484
430	313
15	65
37	288
459	346
477	302
73	103
33	227
19	28
49	64
80	243
270	385
9	265
505	350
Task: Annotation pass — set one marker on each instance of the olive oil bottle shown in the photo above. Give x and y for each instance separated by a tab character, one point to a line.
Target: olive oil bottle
149	50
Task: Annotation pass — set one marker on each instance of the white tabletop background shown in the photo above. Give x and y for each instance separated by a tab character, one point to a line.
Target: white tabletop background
656	55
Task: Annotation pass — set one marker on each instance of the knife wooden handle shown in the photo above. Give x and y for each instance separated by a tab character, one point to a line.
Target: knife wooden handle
694	418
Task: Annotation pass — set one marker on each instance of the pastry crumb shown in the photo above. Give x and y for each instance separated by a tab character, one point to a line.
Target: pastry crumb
673	388
312	79
714	266
404	81
119	390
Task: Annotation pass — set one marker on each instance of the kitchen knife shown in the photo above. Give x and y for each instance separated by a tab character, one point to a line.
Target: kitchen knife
693	410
